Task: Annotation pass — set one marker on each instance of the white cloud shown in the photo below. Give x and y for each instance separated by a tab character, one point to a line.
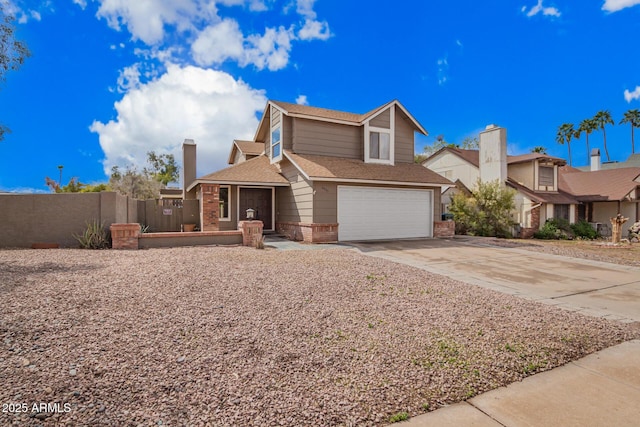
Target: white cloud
218	42
22	15
314	30
616	5
129	78
224	41
208	106
302	100
146	20
443	70
81	3
539	8
630	96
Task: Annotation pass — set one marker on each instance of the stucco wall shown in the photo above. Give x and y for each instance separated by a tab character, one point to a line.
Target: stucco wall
453	167
604	211
55	218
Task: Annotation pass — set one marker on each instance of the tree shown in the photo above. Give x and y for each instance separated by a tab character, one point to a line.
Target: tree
163	167
565	133
633	118
470	143
146	184
75	186
486	211
587	126
438	144
12	52
603	118
539	149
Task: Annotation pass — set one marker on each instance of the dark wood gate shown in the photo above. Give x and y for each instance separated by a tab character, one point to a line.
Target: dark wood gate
164	215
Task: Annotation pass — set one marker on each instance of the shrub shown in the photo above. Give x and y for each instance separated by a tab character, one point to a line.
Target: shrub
95	236
486	212
555	229
584	230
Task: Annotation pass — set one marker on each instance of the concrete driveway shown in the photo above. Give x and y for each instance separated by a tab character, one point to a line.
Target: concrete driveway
591	287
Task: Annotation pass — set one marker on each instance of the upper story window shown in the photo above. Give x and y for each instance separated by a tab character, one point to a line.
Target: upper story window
546	176
276	135
379	142
380	145
276	138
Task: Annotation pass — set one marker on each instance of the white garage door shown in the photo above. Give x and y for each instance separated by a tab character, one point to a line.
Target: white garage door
369	213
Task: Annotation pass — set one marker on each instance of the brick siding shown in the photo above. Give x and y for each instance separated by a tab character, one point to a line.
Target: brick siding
210	205
124	236
310	233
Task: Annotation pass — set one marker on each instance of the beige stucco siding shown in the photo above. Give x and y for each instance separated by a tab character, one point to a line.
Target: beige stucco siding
404	140
294	203
604	211
523	173
453	167
382	120
325	200
327	139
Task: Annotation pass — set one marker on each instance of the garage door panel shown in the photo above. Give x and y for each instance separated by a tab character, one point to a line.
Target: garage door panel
368	213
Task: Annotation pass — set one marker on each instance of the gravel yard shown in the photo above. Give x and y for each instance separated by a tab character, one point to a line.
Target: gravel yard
597	250
239	336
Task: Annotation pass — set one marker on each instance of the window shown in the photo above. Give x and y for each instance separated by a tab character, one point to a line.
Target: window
379	140
546	176
223	213
379	145
275	143
561	212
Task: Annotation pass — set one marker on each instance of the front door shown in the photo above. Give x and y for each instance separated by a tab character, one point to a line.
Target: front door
258	199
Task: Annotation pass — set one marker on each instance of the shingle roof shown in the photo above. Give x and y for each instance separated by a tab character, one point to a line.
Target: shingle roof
560	198
250	147
256	170
335	168
320	112
603	185
473	156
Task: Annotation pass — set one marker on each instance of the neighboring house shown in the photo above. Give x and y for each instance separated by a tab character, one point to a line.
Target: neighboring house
534	176
605	192
632	162
323	175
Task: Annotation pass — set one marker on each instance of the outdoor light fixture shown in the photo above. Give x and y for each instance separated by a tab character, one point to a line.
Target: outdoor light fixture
250	214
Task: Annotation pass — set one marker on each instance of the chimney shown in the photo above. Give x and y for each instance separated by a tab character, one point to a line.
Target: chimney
493	154
595	160
188	167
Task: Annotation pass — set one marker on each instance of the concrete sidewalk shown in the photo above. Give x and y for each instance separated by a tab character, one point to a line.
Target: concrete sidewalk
602	389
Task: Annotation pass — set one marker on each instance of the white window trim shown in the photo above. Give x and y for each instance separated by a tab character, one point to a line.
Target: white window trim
272	129
228	218
392	139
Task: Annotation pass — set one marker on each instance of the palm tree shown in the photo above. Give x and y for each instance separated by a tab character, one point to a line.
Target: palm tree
633	118
587	126
603	118
539	149
565	133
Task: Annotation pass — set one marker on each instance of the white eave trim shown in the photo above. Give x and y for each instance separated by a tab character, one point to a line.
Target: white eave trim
259	184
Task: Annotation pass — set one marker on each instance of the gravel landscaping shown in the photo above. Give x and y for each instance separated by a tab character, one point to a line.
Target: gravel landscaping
239	336
596	250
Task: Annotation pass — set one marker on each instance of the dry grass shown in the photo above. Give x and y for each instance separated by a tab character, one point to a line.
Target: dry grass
237	336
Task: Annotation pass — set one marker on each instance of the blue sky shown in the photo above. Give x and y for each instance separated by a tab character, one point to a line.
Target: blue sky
109	80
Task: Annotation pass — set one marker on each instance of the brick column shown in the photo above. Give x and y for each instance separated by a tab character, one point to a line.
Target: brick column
251	232
444	229
124	236
209	207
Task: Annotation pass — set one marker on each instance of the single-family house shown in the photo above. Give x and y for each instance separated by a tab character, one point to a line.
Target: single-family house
322	175
539	192
605	192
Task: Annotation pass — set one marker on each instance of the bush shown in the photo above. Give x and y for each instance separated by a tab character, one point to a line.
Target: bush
95	236
555	229
486	212
582	229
